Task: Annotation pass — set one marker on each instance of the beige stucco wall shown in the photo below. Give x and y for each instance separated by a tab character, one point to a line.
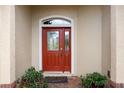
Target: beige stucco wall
39	12
117	41
113	43
87	32
90	48
106	41
89	39
12	43
7	44
120	43
23	39
92	39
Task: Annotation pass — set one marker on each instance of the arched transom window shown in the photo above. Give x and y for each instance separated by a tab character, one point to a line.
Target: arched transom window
56	21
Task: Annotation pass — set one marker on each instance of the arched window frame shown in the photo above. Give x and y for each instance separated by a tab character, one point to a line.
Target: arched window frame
57	25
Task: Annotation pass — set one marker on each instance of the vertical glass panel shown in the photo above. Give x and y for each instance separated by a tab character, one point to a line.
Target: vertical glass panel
66	40
53	40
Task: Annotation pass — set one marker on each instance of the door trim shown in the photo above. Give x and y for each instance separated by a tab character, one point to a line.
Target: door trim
72	41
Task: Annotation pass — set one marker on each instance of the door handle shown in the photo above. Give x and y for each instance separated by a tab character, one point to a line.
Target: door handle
61	49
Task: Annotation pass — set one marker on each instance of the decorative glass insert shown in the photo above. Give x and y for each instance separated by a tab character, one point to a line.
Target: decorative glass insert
66	40
53	40
56	22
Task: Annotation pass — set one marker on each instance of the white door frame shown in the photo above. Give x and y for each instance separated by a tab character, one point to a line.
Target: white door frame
72	39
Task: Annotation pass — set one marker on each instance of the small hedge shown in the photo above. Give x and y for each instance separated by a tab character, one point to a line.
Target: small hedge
32	79
94	80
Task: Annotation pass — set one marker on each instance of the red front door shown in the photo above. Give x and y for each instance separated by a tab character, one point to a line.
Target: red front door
56	48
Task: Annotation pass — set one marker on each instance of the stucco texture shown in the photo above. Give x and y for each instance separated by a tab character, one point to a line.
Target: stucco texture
7	44
21	45
89	36
23	39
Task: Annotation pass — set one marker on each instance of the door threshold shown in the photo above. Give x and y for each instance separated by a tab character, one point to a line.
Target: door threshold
57	73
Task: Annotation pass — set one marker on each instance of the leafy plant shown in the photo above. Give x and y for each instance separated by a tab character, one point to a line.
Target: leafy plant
33	79
94	80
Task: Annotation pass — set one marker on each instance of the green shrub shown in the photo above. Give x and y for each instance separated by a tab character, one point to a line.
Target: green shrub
94	80
33	79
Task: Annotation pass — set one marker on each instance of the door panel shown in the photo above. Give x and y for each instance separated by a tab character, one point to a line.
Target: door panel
56	49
